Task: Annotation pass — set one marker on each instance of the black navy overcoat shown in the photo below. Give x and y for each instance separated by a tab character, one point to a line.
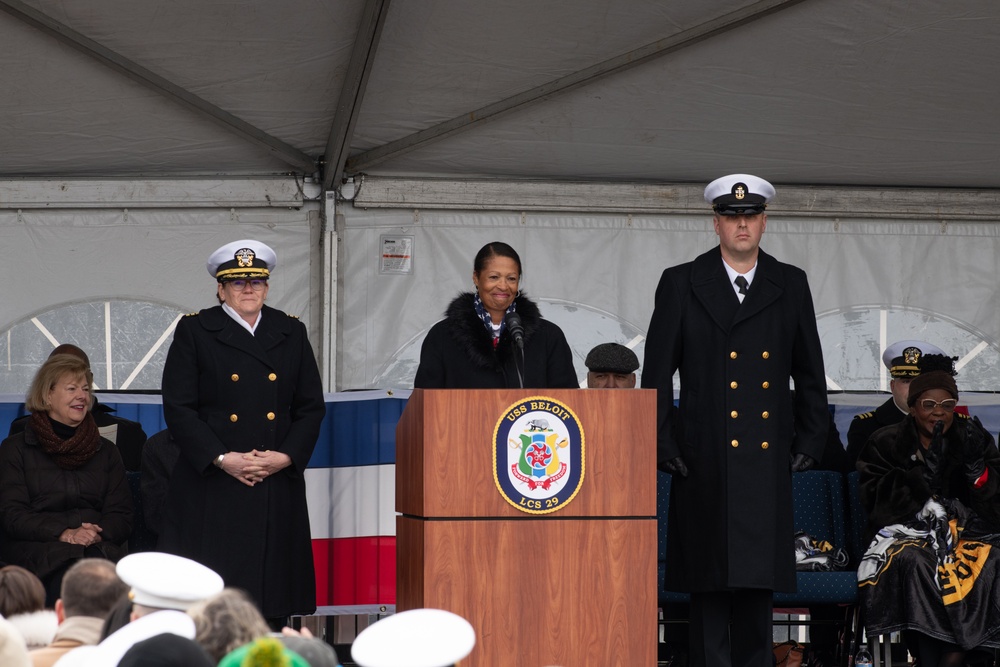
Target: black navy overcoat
738	422
227	390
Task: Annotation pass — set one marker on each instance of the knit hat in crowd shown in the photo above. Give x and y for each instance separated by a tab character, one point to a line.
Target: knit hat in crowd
166	650
263	652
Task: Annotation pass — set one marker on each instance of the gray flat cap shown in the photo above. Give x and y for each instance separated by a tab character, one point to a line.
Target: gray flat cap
611	358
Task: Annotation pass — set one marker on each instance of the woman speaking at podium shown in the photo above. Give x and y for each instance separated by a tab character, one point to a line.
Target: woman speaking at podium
495	337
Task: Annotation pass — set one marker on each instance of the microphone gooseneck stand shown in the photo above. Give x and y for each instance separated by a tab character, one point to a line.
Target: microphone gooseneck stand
513	321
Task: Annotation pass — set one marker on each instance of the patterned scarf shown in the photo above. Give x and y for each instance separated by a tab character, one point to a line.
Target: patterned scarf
72	452
484	315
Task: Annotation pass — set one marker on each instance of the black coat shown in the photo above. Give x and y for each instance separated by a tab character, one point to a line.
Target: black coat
39	500
893	488
730	522
159	457
863	426
458	352
227	390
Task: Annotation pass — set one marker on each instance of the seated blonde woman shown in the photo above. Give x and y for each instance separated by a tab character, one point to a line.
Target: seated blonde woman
63	494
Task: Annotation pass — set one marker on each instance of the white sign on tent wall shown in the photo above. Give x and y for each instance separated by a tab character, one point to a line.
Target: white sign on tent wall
396	254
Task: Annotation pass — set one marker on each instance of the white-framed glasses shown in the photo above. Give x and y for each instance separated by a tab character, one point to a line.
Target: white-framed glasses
256	284
947	404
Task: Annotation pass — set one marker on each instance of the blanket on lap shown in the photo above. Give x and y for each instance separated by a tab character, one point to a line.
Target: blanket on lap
937	574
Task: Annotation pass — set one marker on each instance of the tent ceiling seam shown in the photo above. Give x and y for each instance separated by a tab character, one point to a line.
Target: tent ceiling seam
353	91
141	75
721	24
826	202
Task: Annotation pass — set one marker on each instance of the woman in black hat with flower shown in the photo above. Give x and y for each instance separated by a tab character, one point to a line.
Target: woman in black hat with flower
930	484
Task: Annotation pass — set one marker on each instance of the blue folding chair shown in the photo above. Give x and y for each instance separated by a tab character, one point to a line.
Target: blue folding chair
672	605
819	510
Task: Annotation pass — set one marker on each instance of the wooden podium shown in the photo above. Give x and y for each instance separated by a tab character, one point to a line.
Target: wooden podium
570	584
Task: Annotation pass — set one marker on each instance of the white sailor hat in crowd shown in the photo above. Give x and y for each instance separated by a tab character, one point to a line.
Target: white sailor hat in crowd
166	581
902	358
241	260
415	638
738	194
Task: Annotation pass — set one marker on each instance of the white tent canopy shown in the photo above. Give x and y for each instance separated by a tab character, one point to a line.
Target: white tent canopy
138	135
835	92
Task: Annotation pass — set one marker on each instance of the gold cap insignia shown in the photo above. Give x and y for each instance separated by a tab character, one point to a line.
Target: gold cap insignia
911	355
244	257
739	191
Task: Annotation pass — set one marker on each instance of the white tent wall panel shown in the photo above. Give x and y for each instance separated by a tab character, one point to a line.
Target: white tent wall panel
611	263
158	255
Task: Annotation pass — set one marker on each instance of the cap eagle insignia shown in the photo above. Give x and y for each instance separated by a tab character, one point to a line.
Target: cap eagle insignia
244	257
911	355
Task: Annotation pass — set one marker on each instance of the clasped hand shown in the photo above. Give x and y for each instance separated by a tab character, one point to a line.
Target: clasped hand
86	535
676	466
802	462
253	467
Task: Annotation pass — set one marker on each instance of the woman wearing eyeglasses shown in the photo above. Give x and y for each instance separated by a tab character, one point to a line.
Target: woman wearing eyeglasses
243	400
926	483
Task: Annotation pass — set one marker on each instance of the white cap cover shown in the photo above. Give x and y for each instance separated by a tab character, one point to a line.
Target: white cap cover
166	581
415	638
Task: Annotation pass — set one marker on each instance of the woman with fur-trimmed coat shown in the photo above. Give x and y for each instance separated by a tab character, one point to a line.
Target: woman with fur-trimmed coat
472	348
931	487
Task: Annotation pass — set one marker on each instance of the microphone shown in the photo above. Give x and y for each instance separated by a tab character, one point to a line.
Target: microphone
937	437
515	327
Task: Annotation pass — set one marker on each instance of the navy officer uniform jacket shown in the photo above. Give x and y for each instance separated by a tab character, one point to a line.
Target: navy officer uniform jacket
863	426
737	424
227	390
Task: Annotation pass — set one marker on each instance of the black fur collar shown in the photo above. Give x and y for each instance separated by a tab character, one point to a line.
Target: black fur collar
471	334
907	442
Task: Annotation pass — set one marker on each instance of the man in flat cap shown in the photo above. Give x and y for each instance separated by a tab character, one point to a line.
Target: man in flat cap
902	358
611	366
738	325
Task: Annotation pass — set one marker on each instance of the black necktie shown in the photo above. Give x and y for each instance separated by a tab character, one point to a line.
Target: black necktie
742	283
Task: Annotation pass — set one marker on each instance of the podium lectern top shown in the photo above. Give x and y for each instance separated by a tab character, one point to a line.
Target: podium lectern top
527	453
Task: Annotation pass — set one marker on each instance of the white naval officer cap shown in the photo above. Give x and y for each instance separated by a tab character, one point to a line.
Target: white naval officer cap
415	638
902	358
739	194
166	581
241	260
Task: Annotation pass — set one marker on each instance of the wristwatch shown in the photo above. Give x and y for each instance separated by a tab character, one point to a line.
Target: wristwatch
218	460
